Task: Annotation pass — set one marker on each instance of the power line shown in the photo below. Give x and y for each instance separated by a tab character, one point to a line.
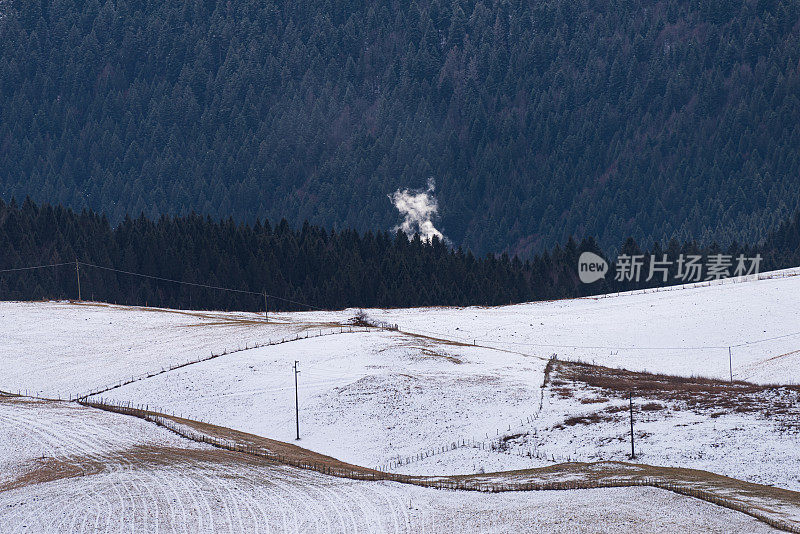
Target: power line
35	267
766	339
205	286
555	346
604	347
163	279
519	343
608	347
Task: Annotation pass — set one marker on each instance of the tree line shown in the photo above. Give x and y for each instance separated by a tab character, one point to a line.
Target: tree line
318	267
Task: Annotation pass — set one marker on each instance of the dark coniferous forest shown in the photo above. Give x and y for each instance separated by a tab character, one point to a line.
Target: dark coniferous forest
538	120
310	265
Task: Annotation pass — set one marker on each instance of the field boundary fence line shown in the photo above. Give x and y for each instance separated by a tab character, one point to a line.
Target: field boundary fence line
463	482
488	444
770	275
492	444
144	376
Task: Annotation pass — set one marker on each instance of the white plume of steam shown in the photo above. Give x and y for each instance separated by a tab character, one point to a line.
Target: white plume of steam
418	207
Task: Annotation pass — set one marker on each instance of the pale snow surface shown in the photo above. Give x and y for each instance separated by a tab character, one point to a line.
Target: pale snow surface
745	445
680	330
35	431
364	397
373	398
188	494
60	349
225	498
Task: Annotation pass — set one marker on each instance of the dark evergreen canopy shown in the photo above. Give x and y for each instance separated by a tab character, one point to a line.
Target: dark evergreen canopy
538	120
322	268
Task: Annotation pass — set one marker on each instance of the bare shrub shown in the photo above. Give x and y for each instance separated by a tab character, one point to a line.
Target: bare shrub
362	319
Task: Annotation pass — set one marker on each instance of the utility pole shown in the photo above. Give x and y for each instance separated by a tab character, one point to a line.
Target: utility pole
296	401
266	307
78	274
730	363
630	397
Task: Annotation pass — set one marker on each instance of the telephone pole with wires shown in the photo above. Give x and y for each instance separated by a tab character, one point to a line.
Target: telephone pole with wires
296	402
630	398
730	363
78	275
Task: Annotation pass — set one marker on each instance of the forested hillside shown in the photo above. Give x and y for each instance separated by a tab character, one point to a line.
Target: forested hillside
537	120
300	268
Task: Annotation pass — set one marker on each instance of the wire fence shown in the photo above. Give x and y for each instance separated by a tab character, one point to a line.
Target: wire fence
495	445
772	275
297	337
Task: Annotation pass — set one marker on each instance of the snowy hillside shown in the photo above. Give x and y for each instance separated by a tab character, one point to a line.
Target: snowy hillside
455	390
73	469
57	349
685	330
365	397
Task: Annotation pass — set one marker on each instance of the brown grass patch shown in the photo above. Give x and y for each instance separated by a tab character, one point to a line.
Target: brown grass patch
695	392
595	400
49	469
764	502
592	418
562	392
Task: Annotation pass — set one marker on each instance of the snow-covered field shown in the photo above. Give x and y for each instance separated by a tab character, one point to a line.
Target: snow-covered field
752	436
374	398
365	398
35	434
681	331
105	480
60	349
185	497
471	376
